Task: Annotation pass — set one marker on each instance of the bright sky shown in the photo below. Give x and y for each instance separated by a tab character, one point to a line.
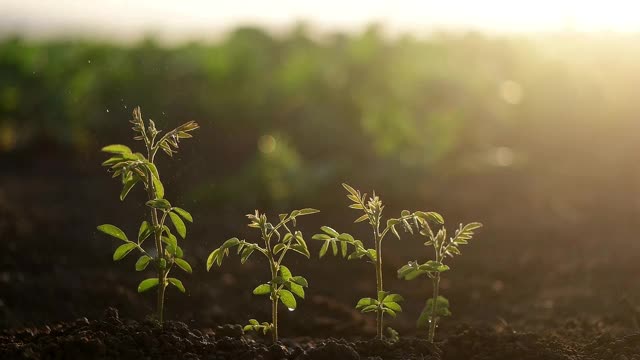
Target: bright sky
184	18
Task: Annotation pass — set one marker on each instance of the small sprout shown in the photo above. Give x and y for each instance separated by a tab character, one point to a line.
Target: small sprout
136	168
392	335
437	306
339	243
283	287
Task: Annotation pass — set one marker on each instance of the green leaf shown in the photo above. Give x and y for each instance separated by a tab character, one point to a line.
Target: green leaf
170	240
431	216
114	231
116	149
262	289
148	284
395	231
142	262
123	250
393	298
334	248
179	225
362	218
285	273
184	213
177	283
246	253
393	306
390	312
366	302
369	308
321	237
442	309
182	264
300	281
230	243
159	188
286	297
330	231
324	248
307	211
161	204
433	266
212	258
344	237
296	289
351	190
371	253
127	186
145	231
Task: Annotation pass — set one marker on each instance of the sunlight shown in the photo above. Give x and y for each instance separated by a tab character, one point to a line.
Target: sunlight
201	18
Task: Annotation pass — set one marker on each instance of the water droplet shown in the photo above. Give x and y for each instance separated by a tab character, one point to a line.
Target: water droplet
411	264
107	110
290	309
88	61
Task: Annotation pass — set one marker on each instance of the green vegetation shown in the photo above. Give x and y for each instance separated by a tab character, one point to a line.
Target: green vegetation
278	240
134	168
437	306
372	207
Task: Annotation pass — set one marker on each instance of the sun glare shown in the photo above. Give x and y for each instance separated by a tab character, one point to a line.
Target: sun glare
191	16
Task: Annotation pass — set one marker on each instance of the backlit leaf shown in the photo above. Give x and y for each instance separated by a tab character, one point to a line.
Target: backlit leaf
147	284
114	231
123	250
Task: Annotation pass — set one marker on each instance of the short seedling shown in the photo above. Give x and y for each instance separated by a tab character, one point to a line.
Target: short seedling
384	302
134	168
437	306
283	285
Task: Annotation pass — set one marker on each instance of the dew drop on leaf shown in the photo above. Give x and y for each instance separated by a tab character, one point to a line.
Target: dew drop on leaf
290	309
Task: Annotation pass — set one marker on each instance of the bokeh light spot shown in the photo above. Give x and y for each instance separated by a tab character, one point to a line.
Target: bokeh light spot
267	144
511	92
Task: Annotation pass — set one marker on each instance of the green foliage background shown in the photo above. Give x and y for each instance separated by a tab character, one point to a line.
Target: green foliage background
531	126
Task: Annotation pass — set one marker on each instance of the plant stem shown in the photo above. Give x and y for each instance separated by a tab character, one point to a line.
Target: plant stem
274	315
158	240
273	265
379	285
432	321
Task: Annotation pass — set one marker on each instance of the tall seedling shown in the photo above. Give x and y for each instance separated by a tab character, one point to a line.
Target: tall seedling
137	168
372	207
283	285
437	306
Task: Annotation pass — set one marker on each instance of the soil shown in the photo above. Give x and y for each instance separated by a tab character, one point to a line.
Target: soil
539	289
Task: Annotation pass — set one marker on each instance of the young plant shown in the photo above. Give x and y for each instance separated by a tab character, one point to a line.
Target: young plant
384	302
283	285
437	306
134	168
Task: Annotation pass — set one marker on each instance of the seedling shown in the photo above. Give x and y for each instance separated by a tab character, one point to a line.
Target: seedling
372	207
437	306
134	168
283	285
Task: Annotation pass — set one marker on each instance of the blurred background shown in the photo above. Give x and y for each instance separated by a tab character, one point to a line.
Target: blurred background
522	116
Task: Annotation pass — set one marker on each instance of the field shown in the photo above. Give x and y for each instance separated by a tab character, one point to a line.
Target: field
541	149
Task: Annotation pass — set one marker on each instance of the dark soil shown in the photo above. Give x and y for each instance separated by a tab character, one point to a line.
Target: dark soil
539	289
115	338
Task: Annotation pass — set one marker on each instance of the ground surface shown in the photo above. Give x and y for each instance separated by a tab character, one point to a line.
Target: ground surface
538	290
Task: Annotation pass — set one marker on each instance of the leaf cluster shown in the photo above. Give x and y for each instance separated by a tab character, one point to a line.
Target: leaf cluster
386	303
443	246
275	244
